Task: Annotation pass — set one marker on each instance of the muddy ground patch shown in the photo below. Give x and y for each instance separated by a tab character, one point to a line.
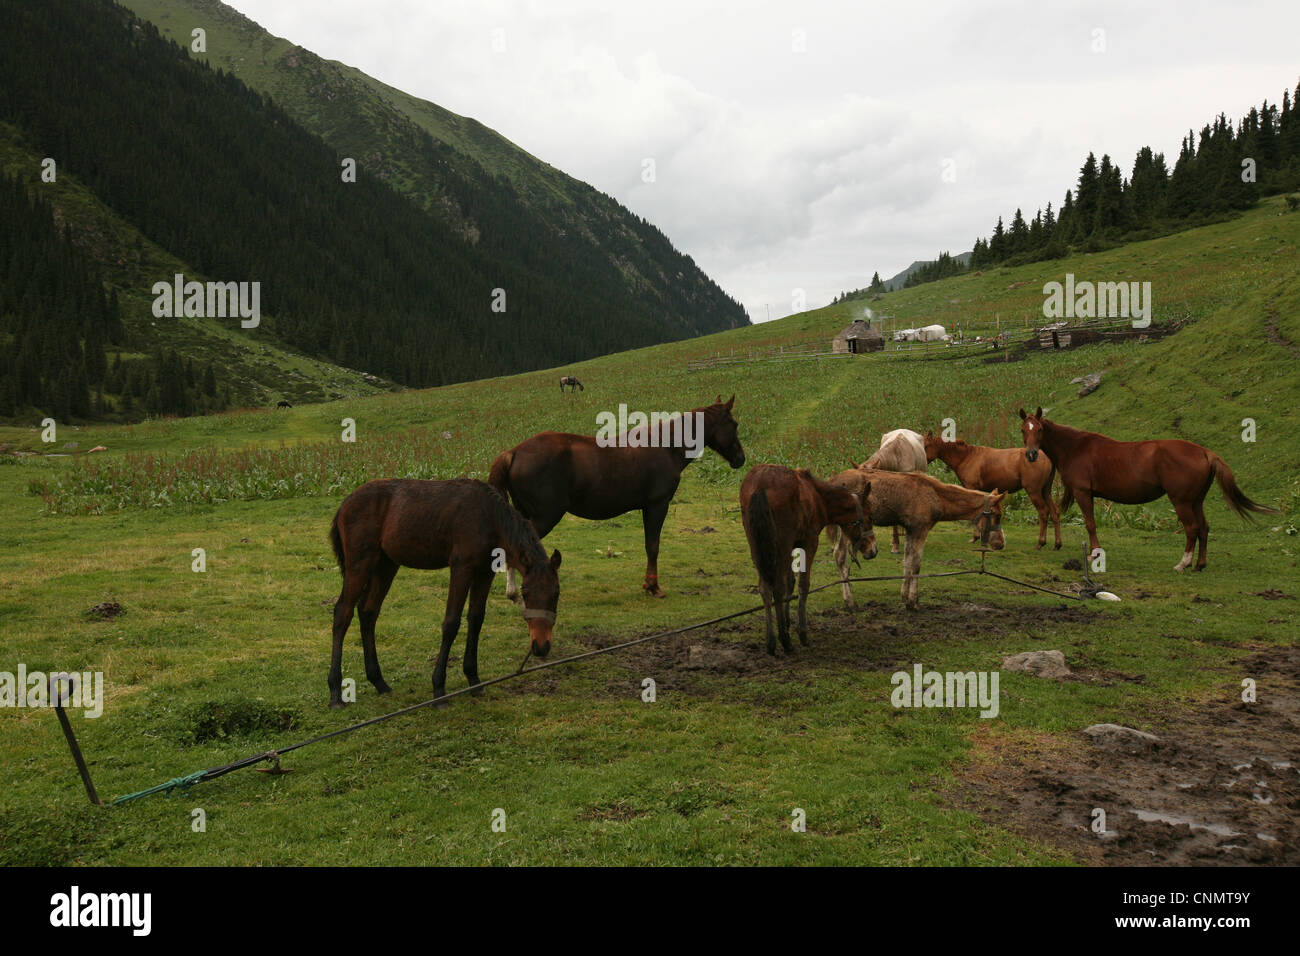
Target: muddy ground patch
1221	786
877	636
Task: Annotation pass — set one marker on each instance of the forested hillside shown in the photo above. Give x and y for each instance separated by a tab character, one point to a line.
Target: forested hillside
226	181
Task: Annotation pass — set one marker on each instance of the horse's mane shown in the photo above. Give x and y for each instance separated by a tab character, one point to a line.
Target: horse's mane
520	534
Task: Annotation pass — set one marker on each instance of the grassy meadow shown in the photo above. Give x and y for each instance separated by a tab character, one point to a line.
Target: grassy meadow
204	668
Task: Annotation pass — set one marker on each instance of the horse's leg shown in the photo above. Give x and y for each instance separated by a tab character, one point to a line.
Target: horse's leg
912	566
478	595
1040	505
1203	535
380	581
354	586
653	519
840	552
1085	505
765	589
804	576
893	544
457	591
785	589
1055	514
1187	512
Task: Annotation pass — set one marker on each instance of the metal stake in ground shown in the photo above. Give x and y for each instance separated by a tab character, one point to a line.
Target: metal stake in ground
58	695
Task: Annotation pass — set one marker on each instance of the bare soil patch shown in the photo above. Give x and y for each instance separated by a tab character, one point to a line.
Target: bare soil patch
1221	786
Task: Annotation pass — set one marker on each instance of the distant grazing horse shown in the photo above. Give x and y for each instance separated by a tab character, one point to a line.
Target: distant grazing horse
460	524
987	469
1135	472
900	450
283	404
917	503
782	510
572	382
554	473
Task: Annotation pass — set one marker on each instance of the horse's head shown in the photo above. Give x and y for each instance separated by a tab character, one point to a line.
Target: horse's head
540	591
721	433
850	511
1031	429
988	523
932	445
858	527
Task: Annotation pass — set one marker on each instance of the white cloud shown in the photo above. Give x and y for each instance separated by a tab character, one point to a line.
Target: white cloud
777	169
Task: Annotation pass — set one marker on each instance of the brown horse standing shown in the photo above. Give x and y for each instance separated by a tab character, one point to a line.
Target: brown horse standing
461	524
916	503
1135	472
1006	469
554	473
782	510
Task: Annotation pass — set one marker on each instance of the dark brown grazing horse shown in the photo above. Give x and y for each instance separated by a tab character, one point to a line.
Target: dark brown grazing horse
461	524
917	503
1135	472
572	382
555	473
784	510
1005	469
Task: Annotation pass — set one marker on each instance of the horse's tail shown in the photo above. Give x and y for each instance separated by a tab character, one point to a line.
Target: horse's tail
1237	501
763	527
337	541
499	475
1067	497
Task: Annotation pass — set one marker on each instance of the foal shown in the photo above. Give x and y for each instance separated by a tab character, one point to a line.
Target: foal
784	510
916	503
461	524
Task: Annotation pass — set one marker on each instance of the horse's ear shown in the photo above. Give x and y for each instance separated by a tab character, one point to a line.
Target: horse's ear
1039	414
555	560
718	400
1022	414
731	401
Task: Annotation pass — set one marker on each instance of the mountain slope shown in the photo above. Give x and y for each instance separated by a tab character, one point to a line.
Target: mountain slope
448	163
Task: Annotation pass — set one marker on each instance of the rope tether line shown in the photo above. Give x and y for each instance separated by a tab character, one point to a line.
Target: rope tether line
273	756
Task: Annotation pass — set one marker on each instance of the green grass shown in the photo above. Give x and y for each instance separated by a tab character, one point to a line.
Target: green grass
206	668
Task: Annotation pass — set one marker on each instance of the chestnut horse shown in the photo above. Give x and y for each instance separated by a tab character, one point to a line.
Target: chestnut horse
900	450
784	510
461	524
916	503
1007	469
1135	472
554	473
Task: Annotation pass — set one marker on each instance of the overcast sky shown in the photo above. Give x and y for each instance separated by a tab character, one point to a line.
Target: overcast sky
803	145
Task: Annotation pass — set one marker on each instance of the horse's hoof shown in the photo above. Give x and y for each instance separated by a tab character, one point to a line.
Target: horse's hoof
441	703
337	705
654	591
1058	546
382	688
478	691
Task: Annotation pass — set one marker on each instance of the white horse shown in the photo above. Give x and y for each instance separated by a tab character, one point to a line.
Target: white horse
900	450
